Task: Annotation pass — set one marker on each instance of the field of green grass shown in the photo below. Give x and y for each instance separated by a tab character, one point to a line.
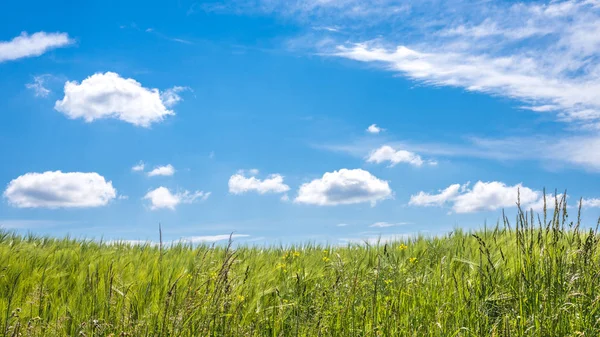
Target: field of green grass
528	276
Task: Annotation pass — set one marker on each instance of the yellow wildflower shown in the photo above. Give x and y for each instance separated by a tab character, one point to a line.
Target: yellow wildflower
326	259
296	254
388	281
402	247
240	298
412	259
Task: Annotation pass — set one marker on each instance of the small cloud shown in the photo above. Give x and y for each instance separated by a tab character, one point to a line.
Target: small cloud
341	225
167	170
171	96
240	184
373	128
162	197
387	224
139	167
38	86
388	153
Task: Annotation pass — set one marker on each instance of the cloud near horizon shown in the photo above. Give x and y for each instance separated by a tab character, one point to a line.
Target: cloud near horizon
483	196
344	187
55	189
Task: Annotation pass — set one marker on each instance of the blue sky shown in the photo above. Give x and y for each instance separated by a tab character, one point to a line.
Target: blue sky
311	120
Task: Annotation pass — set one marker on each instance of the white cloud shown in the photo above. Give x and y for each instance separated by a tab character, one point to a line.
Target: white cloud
213	238
36	44
344	187
59	190
388	153
384	224
38	86
167	170
139	167
108	95
341	225
537	53
240	184
162	197
373	128
426	199
484	196
590	203
170	97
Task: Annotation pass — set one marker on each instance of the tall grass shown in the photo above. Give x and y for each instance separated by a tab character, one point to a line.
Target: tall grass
531	276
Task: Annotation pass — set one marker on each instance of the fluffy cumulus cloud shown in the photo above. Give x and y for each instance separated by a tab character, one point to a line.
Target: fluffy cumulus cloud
239	183
373	128
167	170
344	187
26	45
483	196
387	153
108	95
162	197
55	189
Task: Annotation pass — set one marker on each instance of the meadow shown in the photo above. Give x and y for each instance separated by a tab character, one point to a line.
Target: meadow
531	275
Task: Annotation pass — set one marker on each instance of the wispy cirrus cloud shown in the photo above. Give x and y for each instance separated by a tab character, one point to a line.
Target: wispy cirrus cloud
543	54
38	86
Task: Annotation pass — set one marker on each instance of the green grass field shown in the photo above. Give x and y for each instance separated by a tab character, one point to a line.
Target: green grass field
527	276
